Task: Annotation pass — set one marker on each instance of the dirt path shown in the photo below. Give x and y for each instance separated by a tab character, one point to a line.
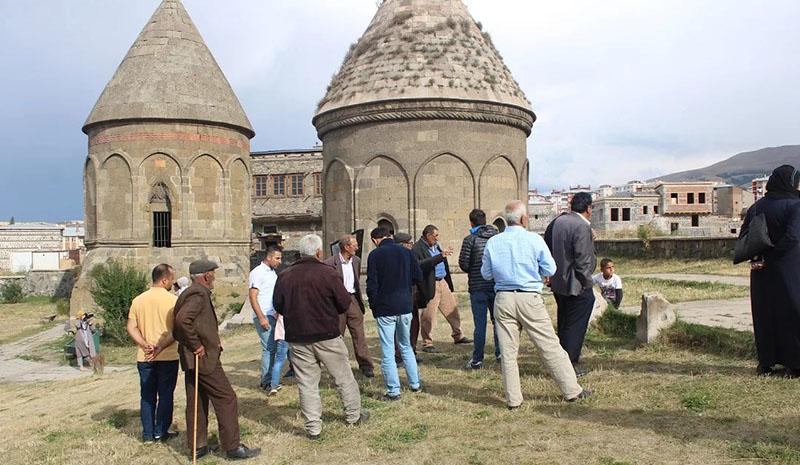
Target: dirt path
17	370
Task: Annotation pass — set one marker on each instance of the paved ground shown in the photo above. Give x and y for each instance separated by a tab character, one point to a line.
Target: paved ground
16	370
727	313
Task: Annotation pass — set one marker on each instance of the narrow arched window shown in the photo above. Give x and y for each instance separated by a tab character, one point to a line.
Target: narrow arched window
160	206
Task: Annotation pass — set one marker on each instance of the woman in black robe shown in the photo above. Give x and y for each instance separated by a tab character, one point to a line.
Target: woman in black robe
775	285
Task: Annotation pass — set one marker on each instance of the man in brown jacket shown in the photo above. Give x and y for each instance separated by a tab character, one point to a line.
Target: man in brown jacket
347	266
311	296
197	334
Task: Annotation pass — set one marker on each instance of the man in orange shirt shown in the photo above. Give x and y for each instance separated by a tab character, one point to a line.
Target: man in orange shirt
150	322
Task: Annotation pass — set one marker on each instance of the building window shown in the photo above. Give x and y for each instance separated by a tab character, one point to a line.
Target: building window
278	185
673	198
535	217
270	229
296	186
626	214
733	231
162	229
615	214
701	197
260	183
695	221
655	209
673	228
318	184
644	210
690	198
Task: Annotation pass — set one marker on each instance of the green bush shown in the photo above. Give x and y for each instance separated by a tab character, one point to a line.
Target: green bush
62	307
12	293
114	286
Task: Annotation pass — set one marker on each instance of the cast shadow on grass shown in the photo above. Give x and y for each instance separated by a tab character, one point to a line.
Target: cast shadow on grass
688	426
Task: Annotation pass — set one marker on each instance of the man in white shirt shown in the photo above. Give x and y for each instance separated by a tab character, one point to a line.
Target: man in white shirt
348	266
262	284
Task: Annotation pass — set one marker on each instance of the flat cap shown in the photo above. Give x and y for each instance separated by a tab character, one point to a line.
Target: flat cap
402	237
202	266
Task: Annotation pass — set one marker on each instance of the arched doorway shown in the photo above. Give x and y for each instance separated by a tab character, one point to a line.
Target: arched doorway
389	225
500	224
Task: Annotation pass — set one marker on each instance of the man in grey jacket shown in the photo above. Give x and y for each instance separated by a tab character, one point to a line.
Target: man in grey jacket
569	238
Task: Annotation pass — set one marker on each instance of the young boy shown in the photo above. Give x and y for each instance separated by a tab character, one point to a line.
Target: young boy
610	284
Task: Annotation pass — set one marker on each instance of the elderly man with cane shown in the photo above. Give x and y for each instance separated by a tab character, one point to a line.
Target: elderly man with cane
199	350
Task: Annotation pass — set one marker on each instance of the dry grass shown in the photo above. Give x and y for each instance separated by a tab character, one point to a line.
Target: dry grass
679	291
24	319
717	266
669	404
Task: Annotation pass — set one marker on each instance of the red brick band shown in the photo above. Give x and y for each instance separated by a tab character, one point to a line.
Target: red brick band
185	137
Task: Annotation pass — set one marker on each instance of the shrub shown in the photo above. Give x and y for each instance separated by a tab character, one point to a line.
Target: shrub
62	307
114	286
12	293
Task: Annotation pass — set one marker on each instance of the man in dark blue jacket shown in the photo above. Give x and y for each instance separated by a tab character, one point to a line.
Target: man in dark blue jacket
481	291
391	271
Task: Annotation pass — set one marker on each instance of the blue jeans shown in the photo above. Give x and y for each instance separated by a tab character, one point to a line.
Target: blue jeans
389	328
482	301
157	382
268	348
281	355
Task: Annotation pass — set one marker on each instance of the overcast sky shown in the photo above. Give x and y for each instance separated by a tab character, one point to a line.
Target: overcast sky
623	89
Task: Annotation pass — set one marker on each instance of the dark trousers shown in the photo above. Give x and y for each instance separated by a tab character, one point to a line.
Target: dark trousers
353	320
481	301
574	312
413	336
157	384
216	388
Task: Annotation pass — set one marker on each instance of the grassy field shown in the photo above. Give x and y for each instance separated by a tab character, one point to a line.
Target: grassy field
693	399
24	319
719	266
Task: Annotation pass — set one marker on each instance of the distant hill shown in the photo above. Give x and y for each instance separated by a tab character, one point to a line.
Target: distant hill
742	168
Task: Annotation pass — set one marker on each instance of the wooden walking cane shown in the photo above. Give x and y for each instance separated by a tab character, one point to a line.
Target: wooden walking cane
194	429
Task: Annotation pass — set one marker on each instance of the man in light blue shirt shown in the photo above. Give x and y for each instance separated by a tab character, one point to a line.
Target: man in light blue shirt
519	262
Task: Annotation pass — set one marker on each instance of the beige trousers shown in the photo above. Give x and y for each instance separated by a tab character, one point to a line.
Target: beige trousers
443	300
307	360
517	311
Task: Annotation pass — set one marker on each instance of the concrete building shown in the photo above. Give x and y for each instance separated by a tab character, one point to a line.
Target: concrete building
625	210
287	196
21	241
540	214
73	236
422	123
732	201
167	177
759	186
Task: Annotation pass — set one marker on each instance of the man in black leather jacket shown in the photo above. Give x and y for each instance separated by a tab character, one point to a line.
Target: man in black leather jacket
481	291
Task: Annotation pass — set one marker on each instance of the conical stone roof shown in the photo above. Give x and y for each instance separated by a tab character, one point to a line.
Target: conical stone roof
422	49
169	73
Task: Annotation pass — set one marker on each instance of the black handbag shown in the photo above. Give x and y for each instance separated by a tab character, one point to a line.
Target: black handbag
754	242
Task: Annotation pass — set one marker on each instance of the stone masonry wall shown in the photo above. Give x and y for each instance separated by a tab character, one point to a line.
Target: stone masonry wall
667	247
26	240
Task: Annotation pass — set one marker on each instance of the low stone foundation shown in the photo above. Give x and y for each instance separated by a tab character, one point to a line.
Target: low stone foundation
55	284
667	247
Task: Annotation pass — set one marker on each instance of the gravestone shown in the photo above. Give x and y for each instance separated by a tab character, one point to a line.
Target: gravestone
656	315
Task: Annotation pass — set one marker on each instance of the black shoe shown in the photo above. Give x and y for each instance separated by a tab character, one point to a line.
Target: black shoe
388	398
584	394
363	418
513	407
763	370
431	350
579	373
464	340
242	452
289	374
148	440
264	386
368	373
792	373
417	389
166	437
205	450
473	365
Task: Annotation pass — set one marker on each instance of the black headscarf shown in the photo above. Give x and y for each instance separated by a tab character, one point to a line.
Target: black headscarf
783	183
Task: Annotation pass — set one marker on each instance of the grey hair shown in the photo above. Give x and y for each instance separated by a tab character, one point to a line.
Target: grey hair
514	212
196	277
345	240
309	245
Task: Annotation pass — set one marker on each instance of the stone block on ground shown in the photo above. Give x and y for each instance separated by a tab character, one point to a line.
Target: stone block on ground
600	307
656	314
244	317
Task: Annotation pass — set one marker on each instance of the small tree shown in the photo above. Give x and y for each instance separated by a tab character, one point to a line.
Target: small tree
11	221
12	293
114	286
